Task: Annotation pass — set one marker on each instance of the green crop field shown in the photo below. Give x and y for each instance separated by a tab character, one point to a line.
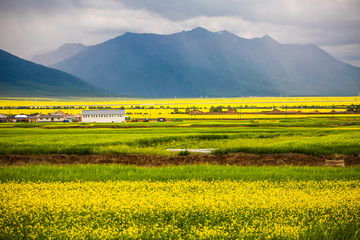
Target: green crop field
308	136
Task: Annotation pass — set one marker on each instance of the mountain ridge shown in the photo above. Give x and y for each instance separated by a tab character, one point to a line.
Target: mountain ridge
200	62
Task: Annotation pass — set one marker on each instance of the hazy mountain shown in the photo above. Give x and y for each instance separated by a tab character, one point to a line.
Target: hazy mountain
22	77
199	62
65	51
39	52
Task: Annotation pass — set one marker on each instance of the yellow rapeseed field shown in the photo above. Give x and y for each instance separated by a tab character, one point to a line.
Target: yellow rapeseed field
46	105
188	209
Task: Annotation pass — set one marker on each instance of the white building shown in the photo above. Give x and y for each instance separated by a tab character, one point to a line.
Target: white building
103	116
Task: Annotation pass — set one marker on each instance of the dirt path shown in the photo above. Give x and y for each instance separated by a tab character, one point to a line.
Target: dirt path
241	159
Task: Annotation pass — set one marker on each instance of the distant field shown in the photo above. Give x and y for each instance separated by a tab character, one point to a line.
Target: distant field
140	108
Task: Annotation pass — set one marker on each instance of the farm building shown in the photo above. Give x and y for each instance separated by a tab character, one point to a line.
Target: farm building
195	112
3	118
59	112
50	118
103	116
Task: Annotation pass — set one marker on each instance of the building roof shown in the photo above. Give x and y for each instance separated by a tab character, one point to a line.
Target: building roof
21	116
102	112
51	116
59	112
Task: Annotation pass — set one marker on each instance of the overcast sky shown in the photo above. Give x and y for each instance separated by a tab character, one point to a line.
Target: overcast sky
30	25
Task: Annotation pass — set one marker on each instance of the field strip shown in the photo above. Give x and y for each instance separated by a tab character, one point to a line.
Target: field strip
182	103
192	150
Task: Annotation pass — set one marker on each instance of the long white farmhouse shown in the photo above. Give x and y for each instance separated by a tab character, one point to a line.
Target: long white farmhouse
103	116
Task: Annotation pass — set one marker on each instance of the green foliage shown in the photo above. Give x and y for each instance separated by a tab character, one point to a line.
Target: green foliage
48	173
354	108
184	153
216	109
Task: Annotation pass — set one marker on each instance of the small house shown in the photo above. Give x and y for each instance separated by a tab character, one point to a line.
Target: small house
3	118
50	118
195	112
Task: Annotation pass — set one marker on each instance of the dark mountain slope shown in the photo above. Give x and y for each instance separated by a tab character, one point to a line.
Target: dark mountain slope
199	62
21	77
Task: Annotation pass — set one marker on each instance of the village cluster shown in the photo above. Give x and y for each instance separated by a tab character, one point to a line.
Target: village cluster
105	116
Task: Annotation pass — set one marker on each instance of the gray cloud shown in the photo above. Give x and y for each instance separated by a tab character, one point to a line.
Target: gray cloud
323	16
27	26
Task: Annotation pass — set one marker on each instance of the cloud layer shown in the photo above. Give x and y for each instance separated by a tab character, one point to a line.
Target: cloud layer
27	26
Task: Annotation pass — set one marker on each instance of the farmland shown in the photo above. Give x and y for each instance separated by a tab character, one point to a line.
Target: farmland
117	180
80	202
248	108
306	136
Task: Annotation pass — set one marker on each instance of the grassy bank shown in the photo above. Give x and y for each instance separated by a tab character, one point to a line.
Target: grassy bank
73	173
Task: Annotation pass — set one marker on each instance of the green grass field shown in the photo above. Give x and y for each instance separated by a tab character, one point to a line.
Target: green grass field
307	136
82	173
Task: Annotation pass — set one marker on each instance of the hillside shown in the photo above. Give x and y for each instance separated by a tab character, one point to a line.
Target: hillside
200	62
19	77
65	51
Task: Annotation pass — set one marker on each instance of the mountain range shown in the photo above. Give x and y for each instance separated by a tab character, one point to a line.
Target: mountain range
19	77
200	62
65	51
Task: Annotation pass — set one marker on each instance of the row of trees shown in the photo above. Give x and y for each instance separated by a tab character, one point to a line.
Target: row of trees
220	108
353	108
46	107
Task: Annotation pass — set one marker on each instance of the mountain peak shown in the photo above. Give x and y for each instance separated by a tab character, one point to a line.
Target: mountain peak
268	39
197	32
72	45
199	29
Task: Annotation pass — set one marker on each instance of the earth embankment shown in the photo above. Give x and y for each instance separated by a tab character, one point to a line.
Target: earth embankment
239	159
